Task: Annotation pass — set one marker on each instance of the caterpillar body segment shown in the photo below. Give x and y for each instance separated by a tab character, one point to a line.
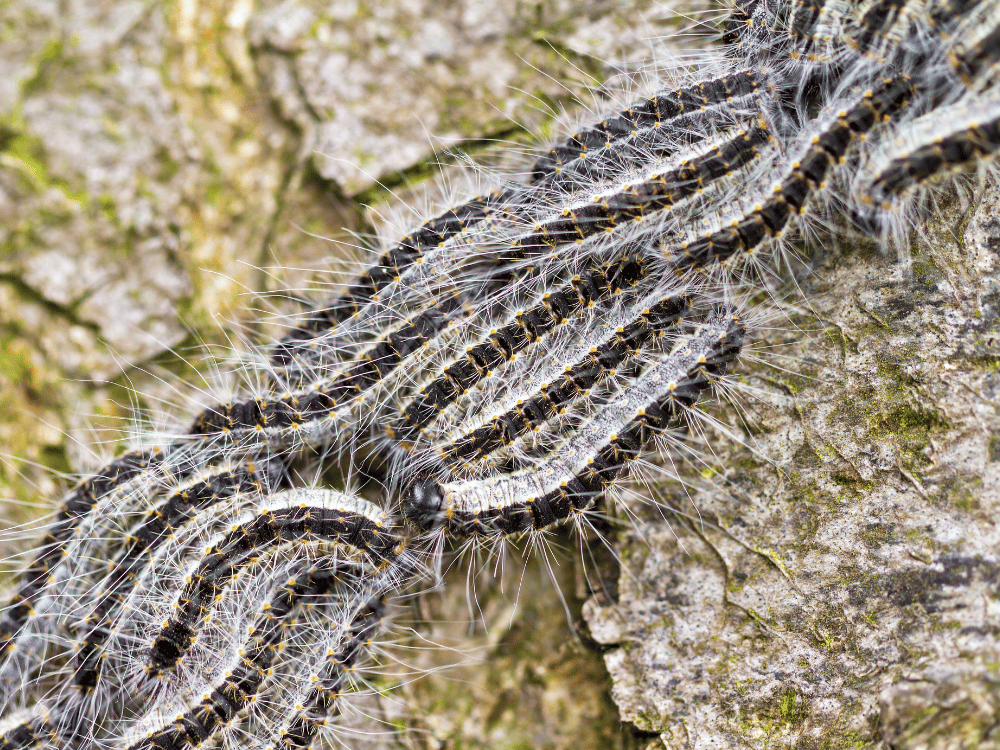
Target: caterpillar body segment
390	268
358	528
602	362
330	407
885	22
737	23
326	358
116	476
816	45
633	201
45	605
974	140
755	229
258	477
972	40
656	111
799	38
249	673
35	730
416	288
322	701
960	137
587	288
634	153
803	21
570	480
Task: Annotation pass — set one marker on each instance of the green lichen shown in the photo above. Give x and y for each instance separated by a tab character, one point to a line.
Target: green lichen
787	709
29	152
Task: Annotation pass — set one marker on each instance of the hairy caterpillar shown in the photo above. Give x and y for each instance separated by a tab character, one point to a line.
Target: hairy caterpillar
569	479
241	683
835	136
287	518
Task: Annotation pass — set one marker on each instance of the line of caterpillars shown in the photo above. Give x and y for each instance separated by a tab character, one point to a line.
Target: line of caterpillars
570	480
972	59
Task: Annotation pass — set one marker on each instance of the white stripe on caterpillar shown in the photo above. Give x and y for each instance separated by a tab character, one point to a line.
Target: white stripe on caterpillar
163	522
322	700
558	307
931	148
732	238
251	666
601	362
634	153
329	355
356	526
570	479
641	199
389	268
31	729
650	114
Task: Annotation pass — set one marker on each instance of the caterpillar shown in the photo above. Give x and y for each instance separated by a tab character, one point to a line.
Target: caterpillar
241	683
601	363
163	522
437	359
287	518
568	480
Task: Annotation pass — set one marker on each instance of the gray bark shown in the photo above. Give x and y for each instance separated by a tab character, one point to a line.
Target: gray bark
834	584
839	587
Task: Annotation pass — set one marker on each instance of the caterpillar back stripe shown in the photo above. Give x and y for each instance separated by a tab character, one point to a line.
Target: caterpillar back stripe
602	362
882	22
805	16
976	49
973	135
35	732
739	19
242	682
768	220
323	699
415	285
179	509
787	31
432	234
569	481
293	516
322	397
495	318
116	475
606	210
532	448
635	152
330	355
648	113
789	34
585	289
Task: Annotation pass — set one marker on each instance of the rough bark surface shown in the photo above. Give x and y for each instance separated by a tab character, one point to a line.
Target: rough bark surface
839	586
834	586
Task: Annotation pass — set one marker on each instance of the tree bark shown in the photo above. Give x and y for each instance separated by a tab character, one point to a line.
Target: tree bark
838	584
